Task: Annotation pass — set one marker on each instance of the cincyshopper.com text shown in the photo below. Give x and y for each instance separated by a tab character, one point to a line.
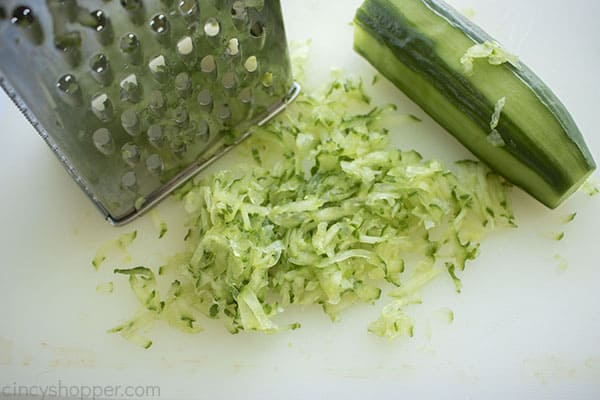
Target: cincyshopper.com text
83	392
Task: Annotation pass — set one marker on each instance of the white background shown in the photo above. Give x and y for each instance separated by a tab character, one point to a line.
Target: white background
523	328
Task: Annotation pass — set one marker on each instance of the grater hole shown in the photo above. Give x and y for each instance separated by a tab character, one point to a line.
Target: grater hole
129	43
23	16
185	46
67	84
155	135
129	181
130	154
101	71
69	90
205	100
131	48
246	96
103	141
161	27
229	81
157	63
159	24
239	15
208	65
203	131
187	8
251	64
158	67
102	21
194	28
130	122
102	26
181	116
223	113
185	49
155	164
178	148
157	102
267	79
212	27
238	10
99	63
257	29
233	47
130	89
183	84
102	107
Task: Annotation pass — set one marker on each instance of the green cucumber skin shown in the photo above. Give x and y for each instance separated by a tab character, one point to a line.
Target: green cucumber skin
549	165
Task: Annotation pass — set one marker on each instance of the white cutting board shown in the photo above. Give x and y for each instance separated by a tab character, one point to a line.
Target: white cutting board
523	327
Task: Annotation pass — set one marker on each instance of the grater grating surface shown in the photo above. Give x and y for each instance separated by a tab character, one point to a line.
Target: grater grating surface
135	96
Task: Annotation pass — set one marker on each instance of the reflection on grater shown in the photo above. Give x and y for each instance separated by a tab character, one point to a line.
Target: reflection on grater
136	97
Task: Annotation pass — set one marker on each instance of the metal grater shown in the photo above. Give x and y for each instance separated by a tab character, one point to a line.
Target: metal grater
135	96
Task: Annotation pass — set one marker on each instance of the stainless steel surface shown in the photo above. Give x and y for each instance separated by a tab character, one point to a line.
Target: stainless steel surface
97	84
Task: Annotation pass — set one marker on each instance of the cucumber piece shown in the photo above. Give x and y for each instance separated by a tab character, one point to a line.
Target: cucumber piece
418	45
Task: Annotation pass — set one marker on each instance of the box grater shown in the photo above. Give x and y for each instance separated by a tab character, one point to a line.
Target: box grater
136	96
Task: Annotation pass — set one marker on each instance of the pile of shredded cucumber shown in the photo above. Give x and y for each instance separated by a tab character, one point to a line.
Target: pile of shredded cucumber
328	215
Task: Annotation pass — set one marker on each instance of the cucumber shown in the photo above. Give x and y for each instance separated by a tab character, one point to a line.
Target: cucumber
418	45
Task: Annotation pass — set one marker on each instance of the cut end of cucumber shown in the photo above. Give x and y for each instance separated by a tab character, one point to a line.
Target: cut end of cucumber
576	186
